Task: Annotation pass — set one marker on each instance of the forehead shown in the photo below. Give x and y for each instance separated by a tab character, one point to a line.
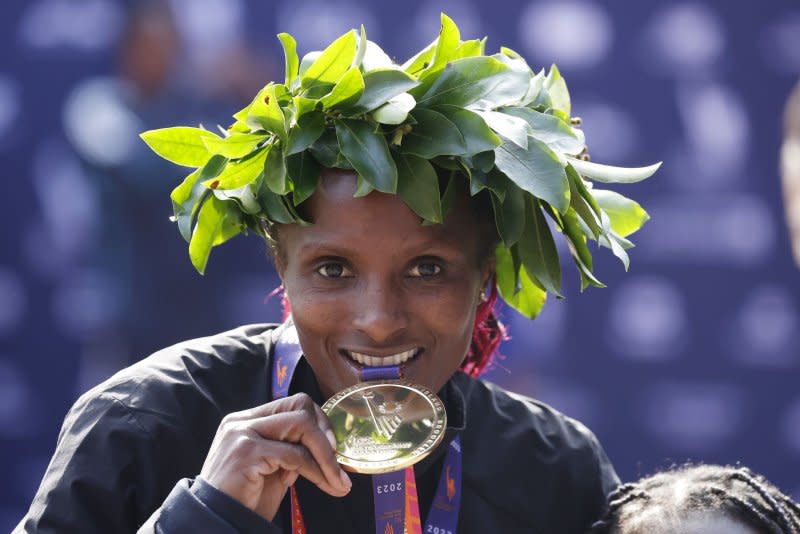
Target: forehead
377	220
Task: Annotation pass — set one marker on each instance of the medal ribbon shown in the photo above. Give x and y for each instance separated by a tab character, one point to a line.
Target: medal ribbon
395	493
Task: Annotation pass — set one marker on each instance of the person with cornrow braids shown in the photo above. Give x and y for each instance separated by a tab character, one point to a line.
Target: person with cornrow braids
700	499
398	202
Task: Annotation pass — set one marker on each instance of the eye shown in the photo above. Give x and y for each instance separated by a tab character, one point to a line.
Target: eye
425	269
334	269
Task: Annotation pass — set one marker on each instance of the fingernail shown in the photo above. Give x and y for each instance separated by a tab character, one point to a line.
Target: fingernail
331	438
345	480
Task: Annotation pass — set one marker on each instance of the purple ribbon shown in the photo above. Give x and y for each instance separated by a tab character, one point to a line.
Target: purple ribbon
443	517
285	357
380	373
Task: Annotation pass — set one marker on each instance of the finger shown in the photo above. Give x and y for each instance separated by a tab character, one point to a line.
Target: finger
302	427
289	477
324	424
285	404
292	458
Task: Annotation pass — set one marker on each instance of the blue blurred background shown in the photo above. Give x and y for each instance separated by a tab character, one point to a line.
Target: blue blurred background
694	354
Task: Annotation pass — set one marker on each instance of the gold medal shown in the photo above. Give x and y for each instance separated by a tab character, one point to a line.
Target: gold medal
385	425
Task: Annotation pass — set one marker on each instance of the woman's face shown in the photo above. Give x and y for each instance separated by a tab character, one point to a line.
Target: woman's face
370	285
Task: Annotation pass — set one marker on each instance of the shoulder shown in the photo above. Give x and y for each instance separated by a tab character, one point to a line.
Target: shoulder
222	371
530	453
543	429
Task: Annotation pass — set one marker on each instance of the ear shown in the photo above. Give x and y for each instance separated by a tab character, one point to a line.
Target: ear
488	272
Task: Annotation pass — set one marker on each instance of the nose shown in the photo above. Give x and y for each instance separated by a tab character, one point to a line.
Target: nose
381	314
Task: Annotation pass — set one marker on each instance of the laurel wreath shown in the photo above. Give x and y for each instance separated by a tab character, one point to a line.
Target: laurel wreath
488	119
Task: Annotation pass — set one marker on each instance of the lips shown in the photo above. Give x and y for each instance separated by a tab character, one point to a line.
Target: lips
368	360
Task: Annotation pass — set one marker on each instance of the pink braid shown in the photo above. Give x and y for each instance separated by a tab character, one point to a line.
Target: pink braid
486	336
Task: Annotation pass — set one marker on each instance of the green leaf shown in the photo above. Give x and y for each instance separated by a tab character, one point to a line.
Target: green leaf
326	151
418	186
265	113
395	111
450	194
186	197
433	135
363	187
576	241
217	222
557	89
551	130
536	170
332	63
291	62
317	92
304	171
512	85
470	48
274	207
609	174
235	145
307	61
180	144
446	44
275	170
535	88
361	48
380	86
537	250
477	135
483	161
587	210
308	129
509	214
513	128
464	82
368	153
510	53
420	61
375	58
618	246
626	216
304	105
494	181
516	287
245	197
346	92
239	173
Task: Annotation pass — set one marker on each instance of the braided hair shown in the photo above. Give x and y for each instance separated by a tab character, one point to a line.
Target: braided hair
672	496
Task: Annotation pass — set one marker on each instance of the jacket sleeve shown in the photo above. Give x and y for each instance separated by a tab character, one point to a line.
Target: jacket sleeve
197	506
105	476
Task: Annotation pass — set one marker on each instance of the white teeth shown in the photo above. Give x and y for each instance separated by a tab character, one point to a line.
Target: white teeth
375	361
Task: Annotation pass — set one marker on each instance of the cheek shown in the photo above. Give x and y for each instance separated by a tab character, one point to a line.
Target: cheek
451	316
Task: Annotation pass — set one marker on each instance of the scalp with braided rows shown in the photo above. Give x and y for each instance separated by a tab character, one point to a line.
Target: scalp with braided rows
664	500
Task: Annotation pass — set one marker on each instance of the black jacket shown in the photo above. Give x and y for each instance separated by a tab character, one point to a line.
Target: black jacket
130	451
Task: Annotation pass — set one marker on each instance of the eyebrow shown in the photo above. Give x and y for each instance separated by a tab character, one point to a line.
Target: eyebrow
424	248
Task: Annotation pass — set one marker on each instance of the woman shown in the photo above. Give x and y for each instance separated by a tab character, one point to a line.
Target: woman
393	199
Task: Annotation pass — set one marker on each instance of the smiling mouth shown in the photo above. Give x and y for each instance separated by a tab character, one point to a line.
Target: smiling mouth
368	360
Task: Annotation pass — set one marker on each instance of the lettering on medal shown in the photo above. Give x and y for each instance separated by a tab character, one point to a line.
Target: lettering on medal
364	445
390	488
